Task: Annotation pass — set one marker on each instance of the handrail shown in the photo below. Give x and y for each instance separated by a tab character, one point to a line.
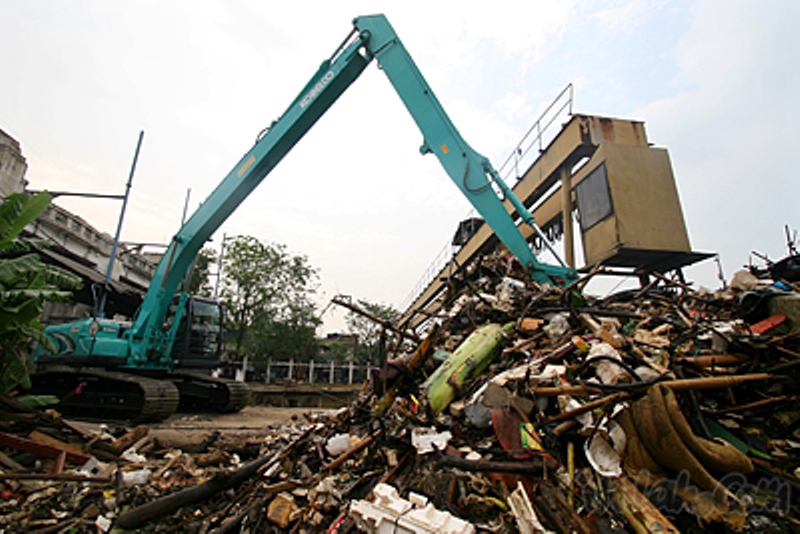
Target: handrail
439	261
518	153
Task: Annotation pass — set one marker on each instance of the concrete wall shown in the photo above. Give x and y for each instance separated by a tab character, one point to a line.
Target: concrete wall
12	166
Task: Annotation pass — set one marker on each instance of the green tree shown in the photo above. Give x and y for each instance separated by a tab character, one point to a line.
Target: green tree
267	293
25	284
290	332
199	280
367	330
338	351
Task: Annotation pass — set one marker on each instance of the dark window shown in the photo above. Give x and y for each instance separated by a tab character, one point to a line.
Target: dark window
594	198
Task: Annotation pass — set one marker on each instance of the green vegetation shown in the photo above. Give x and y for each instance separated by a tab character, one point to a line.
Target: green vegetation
25	284
368	331
199	280
267	294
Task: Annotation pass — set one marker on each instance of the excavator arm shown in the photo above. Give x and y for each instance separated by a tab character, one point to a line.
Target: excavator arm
148	345
472	173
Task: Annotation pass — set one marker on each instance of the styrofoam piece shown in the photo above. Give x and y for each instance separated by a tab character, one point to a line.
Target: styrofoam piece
338	444
388	513
424	439
102	523
134	478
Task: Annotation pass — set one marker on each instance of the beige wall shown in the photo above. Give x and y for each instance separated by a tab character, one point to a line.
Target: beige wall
647	212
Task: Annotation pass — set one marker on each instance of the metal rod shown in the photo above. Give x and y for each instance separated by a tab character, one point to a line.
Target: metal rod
101	312
186	205
187	278
219	265
523	212
72	194
386	324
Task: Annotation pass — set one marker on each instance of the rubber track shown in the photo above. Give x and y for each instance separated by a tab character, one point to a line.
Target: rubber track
218	394
239	396
109	395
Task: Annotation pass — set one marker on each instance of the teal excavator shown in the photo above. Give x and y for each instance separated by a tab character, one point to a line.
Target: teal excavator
139	370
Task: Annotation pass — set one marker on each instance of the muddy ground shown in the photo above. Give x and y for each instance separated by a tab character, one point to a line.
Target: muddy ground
182	430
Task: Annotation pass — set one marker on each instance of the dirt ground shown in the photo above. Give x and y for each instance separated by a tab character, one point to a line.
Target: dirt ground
251	421
183	430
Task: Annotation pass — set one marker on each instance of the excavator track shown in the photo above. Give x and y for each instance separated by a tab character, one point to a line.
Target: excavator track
98	394
202	393
101	394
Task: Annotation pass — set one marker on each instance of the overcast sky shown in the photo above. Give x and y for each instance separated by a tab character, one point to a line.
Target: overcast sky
716	83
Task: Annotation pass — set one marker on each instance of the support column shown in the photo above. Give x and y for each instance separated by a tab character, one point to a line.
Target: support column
566	215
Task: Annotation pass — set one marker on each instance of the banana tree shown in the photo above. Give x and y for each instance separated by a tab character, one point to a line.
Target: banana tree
26	283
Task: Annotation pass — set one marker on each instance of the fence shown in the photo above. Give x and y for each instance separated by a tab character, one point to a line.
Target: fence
313	372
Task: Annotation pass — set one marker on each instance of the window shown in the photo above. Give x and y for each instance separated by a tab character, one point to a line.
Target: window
594	198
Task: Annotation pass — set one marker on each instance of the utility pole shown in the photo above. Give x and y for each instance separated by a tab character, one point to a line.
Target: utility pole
219	265
101	310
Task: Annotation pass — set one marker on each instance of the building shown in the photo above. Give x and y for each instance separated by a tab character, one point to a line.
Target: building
12	166
347	344
81	248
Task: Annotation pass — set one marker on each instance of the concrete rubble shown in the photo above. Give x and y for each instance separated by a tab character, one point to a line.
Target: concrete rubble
523	409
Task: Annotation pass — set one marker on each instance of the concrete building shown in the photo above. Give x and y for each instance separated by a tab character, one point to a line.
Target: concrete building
84	250
12	166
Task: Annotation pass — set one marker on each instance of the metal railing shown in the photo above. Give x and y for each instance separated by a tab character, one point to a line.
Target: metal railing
312	372
536	135
435	267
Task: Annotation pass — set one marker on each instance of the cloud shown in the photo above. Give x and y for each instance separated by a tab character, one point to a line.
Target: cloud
729	128
626	16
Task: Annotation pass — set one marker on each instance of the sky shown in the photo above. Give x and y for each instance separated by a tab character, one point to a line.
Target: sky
715	82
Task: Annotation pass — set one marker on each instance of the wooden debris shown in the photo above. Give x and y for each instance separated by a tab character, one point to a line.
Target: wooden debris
652	410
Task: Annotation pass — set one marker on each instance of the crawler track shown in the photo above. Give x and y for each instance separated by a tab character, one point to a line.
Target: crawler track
202	393
111	395
108	394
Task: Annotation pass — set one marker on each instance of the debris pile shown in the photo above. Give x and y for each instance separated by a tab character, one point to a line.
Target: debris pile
523	409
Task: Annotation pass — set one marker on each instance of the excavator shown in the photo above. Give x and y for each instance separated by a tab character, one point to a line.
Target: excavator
138	370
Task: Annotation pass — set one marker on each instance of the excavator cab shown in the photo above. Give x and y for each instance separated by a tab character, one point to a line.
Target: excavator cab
199	338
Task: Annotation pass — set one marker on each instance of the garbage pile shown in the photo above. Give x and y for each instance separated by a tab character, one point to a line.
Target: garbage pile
523	409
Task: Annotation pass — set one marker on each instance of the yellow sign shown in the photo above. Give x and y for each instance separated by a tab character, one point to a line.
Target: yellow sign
247	165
